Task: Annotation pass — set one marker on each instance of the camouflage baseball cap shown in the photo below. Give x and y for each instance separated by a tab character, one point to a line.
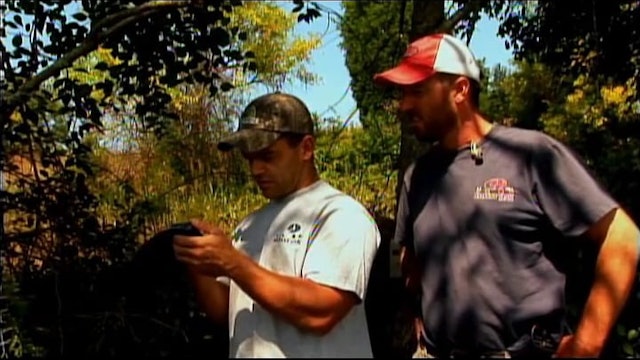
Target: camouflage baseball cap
265	119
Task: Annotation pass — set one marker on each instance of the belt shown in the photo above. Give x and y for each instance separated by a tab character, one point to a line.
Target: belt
460	354
540	338
539	343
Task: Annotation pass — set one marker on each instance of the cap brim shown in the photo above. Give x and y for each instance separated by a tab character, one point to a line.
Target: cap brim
248	140
403	74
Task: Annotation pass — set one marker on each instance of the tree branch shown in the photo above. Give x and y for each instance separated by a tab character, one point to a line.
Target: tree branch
449	24
403	10
151	5
89	44
6	64
327	9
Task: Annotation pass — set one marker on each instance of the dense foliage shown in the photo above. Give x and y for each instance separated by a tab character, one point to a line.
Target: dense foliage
111	110
574	77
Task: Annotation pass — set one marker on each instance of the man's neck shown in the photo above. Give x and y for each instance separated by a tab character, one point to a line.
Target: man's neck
307	179
469	130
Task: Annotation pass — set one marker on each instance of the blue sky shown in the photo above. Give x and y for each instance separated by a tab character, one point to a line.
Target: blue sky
328	62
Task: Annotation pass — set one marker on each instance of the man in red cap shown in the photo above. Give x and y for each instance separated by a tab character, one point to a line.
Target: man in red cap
481	215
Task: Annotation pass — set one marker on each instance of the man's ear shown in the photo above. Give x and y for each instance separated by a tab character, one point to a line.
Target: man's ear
461	88
307	147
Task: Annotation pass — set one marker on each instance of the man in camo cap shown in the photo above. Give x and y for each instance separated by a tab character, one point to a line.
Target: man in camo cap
267	118
291	280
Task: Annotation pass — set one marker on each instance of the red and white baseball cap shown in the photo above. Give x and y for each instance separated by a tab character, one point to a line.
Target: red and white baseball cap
438	53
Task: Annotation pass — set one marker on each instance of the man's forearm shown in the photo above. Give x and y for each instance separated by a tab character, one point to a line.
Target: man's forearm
615	274
212	297
410	271
303	303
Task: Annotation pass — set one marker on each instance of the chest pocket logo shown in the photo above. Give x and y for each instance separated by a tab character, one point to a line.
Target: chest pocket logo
293	228
292	235
496	189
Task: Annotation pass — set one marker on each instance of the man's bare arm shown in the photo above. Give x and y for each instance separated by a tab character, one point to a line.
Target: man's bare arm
212	296
615	273
306	304
410	270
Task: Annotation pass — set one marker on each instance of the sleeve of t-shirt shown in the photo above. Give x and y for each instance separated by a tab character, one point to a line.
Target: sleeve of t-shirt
341	249
566	190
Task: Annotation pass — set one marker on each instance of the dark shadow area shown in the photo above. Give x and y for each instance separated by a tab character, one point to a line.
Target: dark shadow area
387	303
91	308
378	302
161	304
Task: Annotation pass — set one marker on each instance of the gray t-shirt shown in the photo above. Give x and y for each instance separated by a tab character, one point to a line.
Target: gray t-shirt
316	233
481	233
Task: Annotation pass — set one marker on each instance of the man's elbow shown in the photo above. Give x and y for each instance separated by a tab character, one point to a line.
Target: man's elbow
322	322
321	325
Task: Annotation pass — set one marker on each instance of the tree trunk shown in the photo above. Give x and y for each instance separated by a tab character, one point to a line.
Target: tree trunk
426	18
389	323
390	318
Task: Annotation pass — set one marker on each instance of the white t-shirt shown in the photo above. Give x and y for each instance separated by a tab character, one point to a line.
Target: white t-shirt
317	233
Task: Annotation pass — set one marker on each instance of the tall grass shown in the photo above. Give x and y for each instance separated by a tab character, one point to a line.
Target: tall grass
224	199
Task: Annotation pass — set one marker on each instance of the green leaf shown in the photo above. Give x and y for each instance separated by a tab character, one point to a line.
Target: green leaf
80	16
102	66
633	334
17	41
627	348
220	36
313	13
621	330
